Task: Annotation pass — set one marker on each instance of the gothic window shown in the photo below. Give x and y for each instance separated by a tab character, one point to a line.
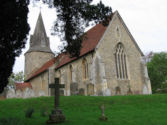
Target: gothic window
59	76
85	69
42	81
120	62
71	69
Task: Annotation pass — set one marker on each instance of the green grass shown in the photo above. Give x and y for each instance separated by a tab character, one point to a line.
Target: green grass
84	110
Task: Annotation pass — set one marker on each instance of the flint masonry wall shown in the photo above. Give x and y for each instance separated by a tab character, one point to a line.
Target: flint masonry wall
34	60
106	50
77	74
40	84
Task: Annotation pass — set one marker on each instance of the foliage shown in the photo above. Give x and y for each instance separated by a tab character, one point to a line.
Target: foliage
157	71
11	121
13	33
15	77
29	112
84	110
72	18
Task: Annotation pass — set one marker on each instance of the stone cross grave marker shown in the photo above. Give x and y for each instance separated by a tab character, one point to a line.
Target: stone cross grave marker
102	117
56	116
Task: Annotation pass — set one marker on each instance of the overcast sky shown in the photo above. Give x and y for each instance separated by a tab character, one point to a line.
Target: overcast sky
146	20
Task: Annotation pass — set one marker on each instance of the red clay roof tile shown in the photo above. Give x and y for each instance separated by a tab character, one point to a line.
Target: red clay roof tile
93	36
21	86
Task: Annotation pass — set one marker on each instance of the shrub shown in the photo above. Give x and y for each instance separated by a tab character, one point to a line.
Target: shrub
29	112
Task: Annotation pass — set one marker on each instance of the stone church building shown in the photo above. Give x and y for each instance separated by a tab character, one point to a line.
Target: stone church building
110	63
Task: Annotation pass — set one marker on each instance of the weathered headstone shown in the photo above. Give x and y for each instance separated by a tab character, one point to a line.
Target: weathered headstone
56	116
62	92
129	90
74	88
81	91
90	89
117	90
102	117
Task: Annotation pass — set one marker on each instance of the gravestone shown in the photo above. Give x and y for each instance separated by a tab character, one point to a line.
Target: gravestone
52	91
90	89
129	91
81	91
102	117
74	88
62	92
56	116
117	90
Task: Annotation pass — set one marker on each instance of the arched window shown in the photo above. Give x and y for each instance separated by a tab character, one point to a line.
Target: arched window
59	76
120	62
71	70
85	69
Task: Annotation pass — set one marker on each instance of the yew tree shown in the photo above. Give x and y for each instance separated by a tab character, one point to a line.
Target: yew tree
13	33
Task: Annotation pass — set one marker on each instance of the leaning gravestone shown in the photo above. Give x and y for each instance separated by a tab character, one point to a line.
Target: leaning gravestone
56	116
102	117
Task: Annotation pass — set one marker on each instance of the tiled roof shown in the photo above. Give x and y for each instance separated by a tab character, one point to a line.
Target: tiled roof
45	66
21	86
93	36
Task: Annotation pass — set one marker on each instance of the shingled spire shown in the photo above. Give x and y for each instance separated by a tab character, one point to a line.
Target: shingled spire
39	52
39	40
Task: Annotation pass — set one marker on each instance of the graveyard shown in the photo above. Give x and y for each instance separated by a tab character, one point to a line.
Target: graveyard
81	110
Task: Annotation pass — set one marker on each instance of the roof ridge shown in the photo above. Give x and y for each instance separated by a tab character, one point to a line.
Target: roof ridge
93	36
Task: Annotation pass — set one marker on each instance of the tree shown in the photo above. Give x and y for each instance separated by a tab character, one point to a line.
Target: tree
15	77
13	33
72	17
157	70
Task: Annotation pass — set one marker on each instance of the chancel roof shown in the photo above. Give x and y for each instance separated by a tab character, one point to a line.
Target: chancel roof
22	86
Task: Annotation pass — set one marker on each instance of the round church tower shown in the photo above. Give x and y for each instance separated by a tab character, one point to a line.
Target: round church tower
39	52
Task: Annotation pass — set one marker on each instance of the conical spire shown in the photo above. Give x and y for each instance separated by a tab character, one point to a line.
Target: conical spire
39	40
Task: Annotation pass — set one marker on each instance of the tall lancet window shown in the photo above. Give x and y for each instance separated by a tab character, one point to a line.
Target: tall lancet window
120	62
59	76
71	70
85	69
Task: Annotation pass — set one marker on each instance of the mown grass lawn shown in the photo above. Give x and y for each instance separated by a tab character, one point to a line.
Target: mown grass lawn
84	110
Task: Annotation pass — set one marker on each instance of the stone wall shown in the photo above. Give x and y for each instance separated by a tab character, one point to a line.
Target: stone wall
102	77
40	84
25	93
78	84
105	51
34	60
